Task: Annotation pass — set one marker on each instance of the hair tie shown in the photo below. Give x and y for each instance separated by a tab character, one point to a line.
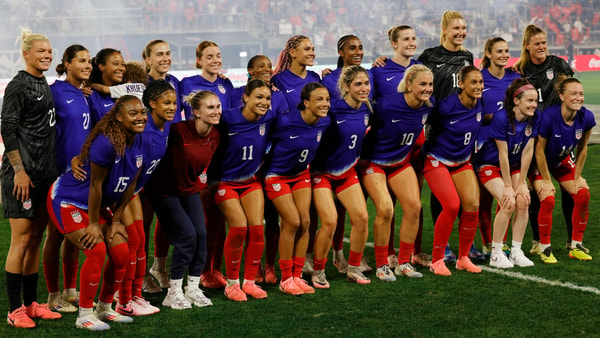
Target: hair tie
522	89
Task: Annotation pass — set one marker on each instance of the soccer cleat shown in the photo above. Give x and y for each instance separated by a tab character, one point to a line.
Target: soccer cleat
149	285
500	261
161	277
91	322
579	253
57	303
364	265
487	250
308	265
110	315
220	278
421	259
250	288
302	284
548	257
385	274
36	310
19	318
518	258
319	280
209	281
393	261
407	270
71	296
536	247
339	261
133	309
475	254
355	275
234	292
439	268
289	287
449	256
146	304
584	249
464	263
176	300
260	274
197	297
270	276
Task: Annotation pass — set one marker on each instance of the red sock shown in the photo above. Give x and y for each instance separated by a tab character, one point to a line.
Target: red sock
91	270
133	242
467	228
381	253
406	250
140	266
581	213
51	275
354	258
254	251
114	271
319	264
161	243
233	251
70	270
545	219
286	267
298	265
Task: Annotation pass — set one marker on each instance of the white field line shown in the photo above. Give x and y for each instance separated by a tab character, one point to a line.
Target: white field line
530	278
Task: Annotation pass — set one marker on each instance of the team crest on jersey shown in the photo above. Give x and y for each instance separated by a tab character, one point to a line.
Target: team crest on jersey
27	204
366	120
221	192
276	186
139	160
203	178
478	117
578	133
424	119
528	131
467	63
222	89
316	180
319	134
550	74
488	173
435	163
262	129
76	215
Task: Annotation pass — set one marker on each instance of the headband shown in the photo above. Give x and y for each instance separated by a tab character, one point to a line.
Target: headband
522	89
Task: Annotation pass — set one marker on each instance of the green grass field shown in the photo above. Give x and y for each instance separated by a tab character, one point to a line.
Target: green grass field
591	85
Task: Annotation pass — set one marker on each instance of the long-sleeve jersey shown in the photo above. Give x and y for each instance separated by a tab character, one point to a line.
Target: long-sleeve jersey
445	66
544	76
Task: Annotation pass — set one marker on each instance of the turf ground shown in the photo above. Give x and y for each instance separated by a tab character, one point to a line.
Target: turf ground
554	301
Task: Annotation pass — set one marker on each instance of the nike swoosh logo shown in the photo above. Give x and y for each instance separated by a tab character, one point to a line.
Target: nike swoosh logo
290	90
340	121
40	98
557	135
256	262
395	121
292	137
129	312
486	89
307	181
108	105
118	160
439	65
69	101
231	134
94	284
389	78
453	122
235	262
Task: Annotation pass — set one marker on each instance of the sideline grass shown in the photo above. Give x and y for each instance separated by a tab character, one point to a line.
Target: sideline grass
591	86
462	305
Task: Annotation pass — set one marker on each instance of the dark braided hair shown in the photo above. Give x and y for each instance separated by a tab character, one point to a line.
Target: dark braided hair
110	127
154	90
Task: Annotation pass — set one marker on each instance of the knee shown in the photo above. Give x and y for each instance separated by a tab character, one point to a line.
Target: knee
97	253
451	207
548	202
582	196
385	211
522	204
328	227
412	209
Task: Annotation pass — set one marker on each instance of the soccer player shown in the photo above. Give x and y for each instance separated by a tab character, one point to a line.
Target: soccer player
544	71
238	191
72	128
386	162
564	128
333	173
295	139
208	60
502	164
108	69
455	126
157	56
174	193
113	155
497	79
28	169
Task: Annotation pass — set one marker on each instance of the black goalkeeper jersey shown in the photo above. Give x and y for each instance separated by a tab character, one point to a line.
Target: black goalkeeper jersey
28	125
445	66
544	76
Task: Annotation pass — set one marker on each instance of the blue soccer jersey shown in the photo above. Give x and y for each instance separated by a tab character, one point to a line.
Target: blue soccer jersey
341	145
242	148
291	85
278	102
156	145
454	131
72	122
330	82
174	82
394	129
495	89
221	87
100	104
563	139
121	173
294	143
515	133
387	78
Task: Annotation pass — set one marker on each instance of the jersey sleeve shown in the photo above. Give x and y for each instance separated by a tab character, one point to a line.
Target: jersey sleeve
545	129
497	128
12	106
590	119
102	152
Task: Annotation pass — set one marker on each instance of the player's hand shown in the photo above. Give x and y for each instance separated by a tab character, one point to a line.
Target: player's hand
116	228
580	183
85	89
77	169
546	189
523	190
325	72
22	184
508	198
380	61
91	236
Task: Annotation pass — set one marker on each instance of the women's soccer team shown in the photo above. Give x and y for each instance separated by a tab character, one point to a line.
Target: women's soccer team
235	172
